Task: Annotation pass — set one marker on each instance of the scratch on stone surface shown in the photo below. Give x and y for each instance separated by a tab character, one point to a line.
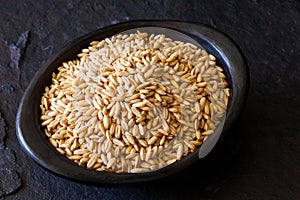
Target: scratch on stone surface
10	181
17	50
6	88
48	49
3	129
212	23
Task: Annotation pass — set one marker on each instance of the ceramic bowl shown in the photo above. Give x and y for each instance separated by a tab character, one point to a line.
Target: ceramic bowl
35	143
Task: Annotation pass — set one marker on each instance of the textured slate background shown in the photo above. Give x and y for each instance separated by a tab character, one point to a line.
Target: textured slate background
259	159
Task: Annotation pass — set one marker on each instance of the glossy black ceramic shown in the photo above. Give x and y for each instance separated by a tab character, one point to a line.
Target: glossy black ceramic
36	145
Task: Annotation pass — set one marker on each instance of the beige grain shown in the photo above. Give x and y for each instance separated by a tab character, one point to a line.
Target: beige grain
129	98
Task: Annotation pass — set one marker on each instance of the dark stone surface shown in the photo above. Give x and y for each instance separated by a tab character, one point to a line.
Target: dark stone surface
3	128
9	182
259	159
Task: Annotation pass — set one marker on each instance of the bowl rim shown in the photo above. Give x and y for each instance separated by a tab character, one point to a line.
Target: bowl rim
47	157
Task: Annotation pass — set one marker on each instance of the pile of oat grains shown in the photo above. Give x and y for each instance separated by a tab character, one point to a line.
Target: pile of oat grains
134	103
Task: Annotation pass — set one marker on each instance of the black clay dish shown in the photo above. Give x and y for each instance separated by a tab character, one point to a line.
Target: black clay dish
35	142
